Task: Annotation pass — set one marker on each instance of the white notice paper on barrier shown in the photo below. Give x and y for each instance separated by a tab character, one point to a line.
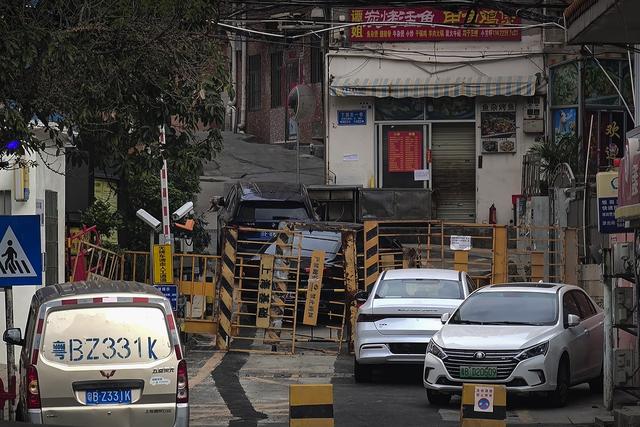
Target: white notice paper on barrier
421	175
460	243
350	158
483	399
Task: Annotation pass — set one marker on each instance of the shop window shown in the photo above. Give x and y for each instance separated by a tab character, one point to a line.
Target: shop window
317	61
446	108
276	79
255	74
399	109
598	90
564	84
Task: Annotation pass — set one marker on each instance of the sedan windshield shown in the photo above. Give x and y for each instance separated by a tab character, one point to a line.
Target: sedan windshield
508	308
420	288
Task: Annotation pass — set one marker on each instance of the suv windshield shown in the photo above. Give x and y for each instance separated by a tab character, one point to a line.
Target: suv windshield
508	308
420	288
271	211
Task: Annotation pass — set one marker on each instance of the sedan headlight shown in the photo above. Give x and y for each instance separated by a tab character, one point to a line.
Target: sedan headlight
435	350
536	350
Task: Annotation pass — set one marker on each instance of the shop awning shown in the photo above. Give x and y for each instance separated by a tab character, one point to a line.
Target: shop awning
434	87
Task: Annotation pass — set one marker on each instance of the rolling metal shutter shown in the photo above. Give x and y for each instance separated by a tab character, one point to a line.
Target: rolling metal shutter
454	172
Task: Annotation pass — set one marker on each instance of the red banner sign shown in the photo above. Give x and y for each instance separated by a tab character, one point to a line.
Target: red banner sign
404	151
431	15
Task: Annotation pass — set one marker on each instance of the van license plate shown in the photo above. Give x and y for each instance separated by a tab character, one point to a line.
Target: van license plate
108	397
478	372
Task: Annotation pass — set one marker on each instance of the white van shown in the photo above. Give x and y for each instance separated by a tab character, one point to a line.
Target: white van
101	353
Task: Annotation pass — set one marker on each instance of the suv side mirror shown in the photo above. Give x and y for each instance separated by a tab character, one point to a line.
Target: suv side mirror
573	320
445	317
13	336
361	297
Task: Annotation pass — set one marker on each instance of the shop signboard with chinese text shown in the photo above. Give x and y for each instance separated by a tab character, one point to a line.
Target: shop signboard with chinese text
629	177
413	25
607	192
312	299
498	127
405	151
264	290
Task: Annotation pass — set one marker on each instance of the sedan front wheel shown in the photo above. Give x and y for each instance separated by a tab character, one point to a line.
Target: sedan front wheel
438	398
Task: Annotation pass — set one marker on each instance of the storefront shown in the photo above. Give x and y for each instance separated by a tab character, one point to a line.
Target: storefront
435	108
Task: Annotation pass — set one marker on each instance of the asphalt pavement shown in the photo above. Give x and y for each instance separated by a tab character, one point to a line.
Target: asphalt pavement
241	389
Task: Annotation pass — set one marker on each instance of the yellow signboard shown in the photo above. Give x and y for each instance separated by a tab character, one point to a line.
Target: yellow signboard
264	290
312	302
162	265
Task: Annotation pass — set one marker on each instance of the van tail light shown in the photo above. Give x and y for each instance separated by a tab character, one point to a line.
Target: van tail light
182	393
33	389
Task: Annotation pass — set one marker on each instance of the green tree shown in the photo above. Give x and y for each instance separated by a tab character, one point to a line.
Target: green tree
110	73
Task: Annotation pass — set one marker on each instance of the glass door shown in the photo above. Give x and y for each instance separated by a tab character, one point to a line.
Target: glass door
403	156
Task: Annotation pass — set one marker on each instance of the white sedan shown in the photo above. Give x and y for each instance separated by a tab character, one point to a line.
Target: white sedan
531	337
401	314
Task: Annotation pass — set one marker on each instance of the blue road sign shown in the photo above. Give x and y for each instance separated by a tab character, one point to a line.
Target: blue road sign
352	118
20	250
171	293
607	222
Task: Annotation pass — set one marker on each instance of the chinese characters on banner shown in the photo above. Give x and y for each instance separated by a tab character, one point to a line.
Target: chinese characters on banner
404	151
264	291
162	265
430	15
312	301
498	127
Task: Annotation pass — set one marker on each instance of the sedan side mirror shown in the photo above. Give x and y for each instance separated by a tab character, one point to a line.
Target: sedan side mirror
13	336
573	320
445	318
361	297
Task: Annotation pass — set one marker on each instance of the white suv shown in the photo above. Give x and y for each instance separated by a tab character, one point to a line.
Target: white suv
531	337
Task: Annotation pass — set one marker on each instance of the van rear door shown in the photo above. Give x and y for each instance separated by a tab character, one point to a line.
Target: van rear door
107	364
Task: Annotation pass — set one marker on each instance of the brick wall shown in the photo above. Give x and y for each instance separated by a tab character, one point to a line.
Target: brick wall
268	124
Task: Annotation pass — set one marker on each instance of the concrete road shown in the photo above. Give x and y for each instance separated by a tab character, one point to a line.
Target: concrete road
240	389
241	159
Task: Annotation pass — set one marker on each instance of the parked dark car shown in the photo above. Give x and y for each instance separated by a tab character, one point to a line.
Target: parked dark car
262	205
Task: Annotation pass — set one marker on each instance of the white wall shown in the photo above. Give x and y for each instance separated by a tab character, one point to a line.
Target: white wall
348	142
41	178
501	174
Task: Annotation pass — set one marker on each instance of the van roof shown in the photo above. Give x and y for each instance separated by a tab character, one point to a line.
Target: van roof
89	287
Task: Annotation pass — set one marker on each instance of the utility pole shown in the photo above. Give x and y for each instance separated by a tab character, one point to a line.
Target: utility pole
164	192
607	281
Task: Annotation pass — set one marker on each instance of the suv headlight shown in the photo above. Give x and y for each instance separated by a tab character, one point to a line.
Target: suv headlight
435	350
536	350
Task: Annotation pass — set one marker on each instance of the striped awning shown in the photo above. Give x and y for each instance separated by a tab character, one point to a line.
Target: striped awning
433	87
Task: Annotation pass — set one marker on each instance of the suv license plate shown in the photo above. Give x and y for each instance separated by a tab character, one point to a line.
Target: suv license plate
478	372
108	397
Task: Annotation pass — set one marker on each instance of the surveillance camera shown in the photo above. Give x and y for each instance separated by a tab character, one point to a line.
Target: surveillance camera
148	219
182	211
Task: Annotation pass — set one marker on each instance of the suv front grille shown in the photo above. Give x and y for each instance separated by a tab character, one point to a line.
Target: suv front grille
408	348
503	360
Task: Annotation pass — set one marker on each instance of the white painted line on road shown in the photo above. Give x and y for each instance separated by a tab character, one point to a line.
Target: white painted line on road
205	371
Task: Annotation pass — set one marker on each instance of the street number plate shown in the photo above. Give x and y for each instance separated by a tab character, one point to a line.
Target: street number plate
478	372
108	397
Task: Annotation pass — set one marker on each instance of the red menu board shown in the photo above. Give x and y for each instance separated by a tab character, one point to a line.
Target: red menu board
404	150
405	16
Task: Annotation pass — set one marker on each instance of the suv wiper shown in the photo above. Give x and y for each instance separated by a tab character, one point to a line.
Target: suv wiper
510	323
467	322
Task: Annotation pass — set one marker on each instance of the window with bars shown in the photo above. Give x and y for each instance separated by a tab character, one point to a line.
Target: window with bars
276	79
254	89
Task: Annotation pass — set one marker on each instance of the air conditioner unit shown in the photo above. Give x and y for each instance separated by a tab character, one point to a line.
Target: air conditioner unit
623	306
553	35
624	368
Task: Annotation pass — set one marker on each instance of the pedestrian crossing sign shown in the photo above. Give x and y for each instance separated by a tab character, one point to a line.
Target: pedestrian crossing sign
20	250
